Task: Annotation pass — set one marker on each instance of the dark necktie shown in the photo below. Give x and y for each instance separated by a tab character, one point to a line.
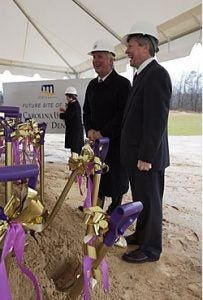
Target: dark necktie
134	79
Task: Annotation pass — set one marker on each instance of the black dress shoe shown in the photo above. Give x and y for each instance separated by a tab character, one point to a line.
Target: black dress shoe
131	240
137	257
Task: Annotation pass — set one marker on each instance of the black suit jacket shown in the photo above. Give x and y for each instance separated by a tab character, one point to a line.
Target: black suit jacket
103	110
144	131
74	136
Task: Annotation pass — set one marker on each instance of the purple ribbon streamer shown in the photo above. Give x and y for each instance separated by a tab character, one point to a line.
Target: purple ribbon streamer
87	266
16	152
105	277
15	240
88	199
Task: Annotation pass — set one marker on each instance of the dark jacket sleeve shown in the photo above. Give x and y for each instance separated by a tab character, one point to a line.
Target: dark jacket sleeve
86	110
62	115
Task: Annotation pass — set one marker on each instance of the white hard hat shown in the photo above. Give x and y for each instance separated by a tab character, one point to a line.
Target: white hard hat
71	90
144	28
104	46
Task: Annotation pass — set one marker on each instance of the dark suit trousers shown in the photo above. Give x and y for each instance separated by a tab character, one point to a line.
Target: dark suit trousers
148	188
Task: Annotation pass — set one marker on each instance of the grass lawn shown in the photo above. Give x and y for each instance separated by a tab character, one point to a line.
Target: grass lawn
185	123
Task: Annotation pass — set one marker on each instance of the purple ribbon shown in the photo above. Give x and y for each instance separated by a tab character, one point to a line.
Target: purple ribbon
105	275
87	266
15	241
88	199
16	152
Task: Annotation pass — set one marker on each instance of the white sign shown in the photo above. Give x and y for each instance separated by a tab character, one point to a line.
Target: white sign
41	100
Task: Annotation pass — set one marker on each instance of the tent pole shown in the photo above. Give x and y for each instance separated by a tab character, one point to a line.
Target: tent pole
85	9
43	36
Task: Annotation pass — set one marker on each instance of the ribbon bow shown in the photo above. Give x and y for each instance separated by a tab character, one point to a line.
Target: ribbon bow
17	216
29	129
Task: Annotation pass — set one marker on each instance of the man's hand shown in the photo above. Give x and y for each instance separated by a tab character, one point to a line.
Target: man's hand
97	135
94	134
143	166
90	134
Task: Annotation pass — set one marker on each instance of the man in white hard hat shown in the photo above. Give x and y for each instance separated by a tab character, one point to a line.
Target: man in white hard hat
103	109
74	137
144	140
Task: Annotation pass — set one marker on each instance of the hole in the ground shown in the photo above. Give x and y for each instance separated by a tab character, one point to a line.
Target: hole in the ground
64	274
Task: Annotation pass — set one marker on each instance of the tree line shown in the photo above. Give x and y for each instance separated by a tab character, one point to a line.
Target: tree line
187	92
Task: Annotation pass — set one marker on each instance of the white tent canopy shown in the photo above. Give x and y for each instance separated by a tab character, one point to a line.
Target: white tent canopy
53	37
